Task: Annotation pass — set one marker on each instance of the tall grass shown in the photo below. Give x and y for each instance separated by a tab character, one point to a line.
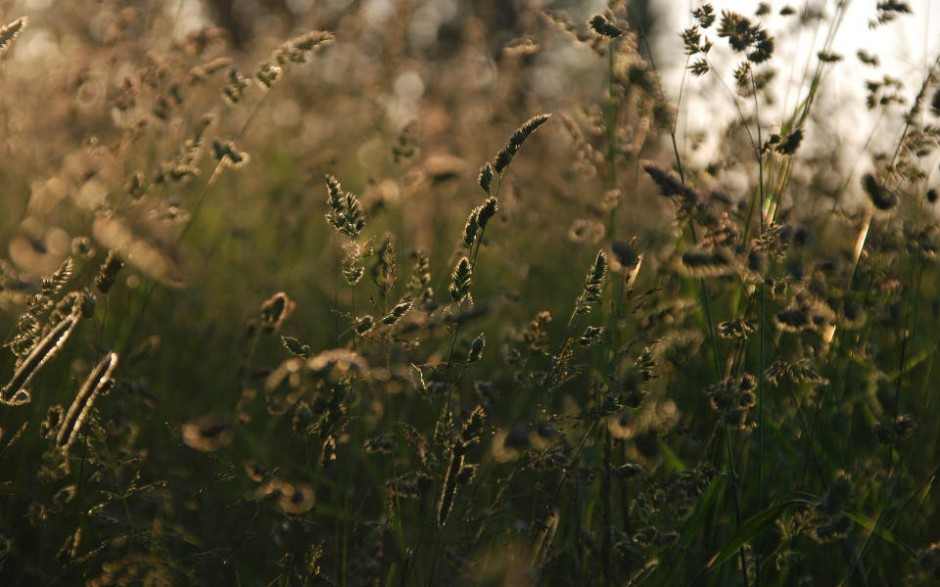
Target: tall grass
368	306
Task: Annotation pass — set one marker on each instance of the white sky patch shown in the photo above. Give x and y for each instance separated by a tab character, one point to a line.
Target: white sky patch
187	16
906	48
378	11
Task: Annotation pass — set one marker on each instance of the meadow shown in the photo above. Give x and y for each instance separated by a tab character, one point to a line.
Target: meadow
414	293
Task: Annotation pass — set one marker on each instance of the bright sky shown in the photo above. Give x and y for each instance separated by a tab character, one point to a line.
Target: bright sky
907	39
906	48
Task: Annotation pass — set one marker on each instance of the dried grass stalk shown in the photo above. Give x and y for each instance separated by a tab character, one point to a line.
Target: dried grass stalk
10	32
98	380
14	393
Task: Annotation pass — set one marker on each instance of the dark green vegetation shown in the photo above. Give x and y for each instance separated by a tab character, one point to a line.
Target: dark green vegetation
349	309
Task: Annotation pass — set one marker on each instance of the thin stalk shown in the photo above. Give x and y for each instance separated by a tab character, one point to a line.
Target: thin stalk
732	472
703	290
761	444
606	543
345	539
610	115
197	206
706	303
908	332
866	226
474	253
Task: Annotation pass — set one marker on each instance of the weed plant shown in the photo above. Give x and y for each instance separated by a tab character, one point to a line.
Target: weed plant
358	308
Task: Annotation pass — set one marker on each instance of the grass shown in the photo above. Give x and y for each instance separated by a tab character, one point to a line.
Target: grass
361	308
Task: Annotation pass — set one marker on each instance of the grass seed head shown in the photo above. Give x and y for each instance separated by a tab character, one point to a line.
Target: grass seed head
14	392
487	211
328	452
591	336
460	281
346	214
234	90
337	364
295	347
506	154
98	382
108	272
298	49
364	324
485	178
705	263
409	486
740	328
275	310
227	154
593	284
449	488
268	74
476	349
51	422
207	434
792	320
604	27
705	15
883	199
789	144
472	226
397	313
669	185
10	32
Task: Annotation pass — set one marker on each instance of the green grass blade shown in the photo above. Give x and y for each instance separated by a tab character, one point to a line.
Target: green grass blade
749	530
696	524
879	531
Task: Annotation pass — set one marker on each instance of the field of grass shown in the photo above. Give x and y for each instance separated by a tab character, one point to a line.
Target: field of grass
351	298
